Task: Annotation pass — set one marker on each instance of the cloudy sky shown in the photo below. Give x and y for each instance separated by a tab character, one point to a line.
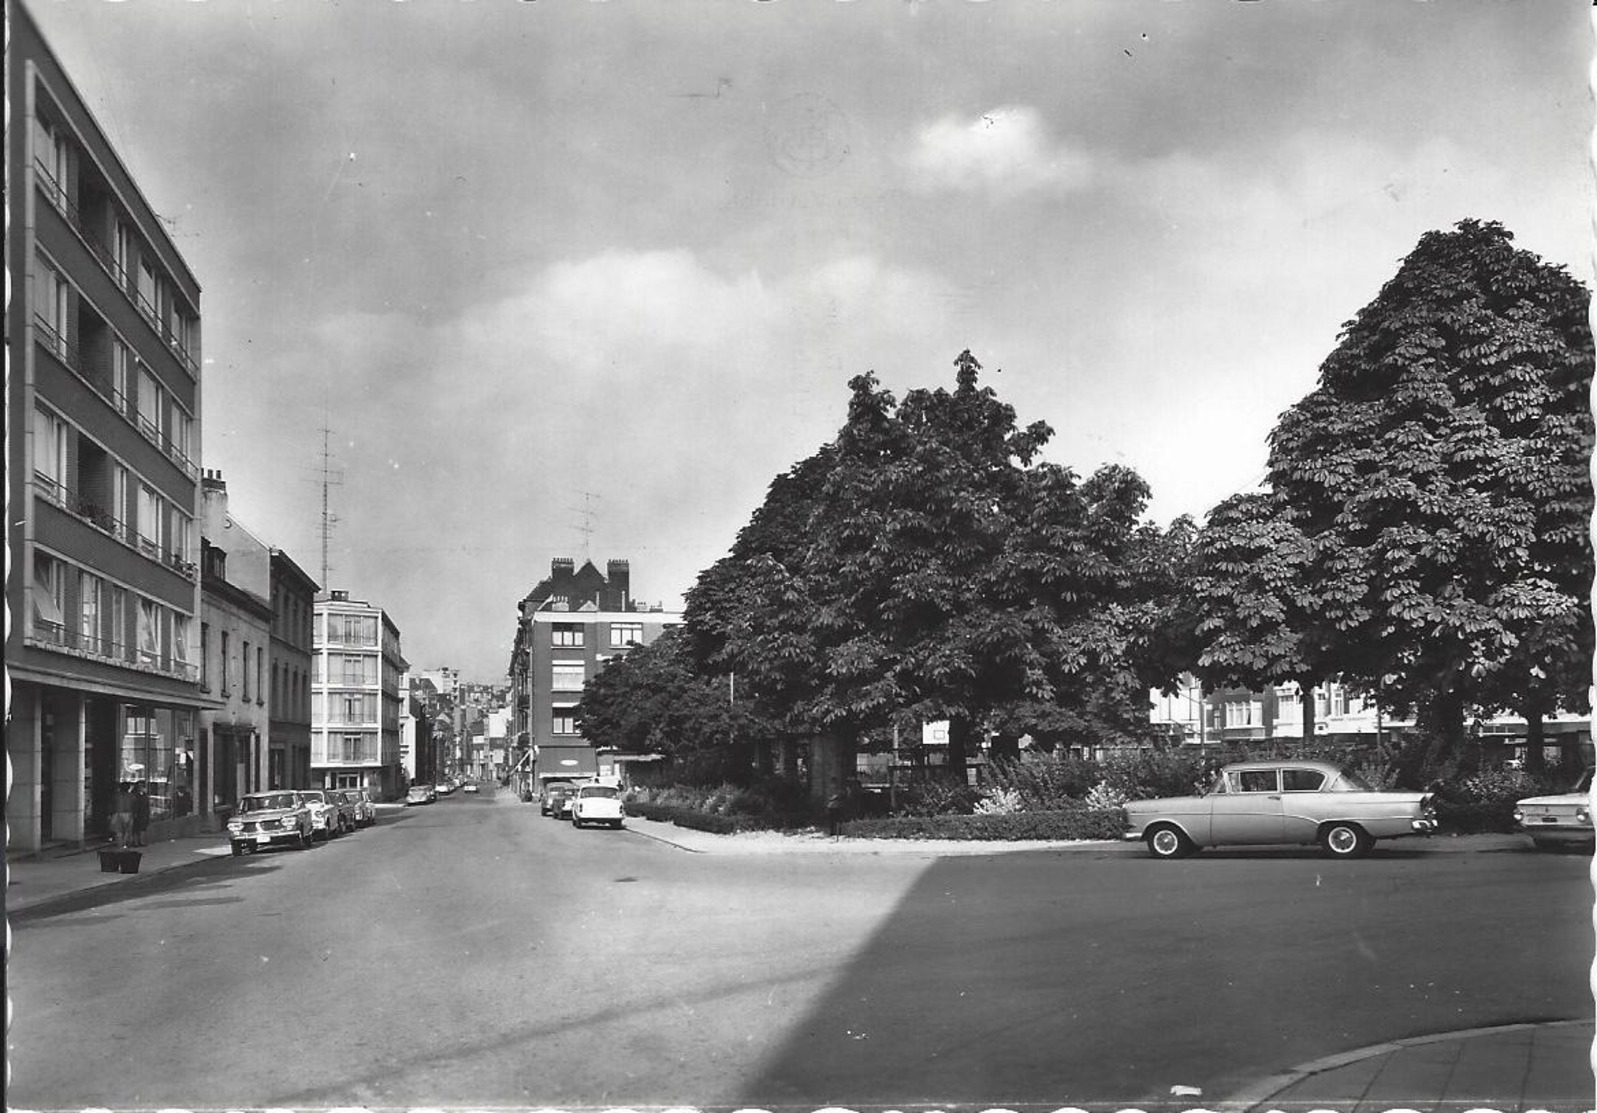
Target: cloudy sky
568	278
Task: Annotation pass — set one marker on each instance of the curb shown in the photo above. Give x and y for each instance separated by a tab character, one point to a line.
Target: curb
1257	1094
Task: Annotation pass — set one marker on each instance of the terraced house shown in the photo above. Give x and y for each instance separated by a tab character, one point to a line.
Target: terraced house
102	472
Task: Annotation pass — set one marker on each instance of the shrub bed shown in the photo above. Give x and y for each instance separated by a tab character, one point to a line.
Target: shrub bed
1475	818
1057	825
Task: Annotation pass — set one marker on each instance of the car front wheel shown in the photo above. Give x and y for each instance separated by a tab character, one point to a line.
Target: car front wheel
1168	841
1344	840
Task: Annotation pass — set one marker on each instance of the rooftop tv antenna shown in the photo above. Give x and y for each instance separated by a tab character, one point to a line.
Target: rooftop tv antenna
586	528
330	478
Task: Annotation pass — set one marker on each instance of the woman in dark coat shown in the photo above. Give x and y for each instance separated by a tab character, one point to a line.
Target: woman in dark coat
141	812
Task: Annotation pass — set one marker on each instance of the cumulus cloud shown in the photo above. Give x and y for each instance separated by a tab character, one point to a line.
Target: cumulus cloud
1006	151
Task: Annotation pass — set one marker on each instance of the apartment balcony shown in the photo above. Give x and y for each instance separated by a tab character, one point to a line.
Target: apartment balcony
56	195
59	638
48	337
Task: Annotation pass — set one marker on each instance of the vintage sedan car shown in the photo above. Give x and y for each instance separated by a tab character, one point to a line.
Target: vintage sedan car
469	786
365	806
597	804
1560	821
420	794
556	799
265	819
1256	803
325	811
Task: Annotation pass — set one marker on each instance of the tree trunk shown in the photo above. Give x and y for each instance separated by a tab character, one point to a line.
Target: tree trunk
958	749
1535	734
1006	747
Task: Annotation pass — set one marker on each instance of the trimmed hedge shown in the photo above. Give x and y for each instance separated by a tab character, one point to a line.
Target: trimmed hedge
1056	825
689	817
1475	819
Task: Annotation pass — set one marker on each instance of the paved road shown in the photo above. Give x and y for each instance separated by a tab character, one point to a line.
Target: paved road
474	953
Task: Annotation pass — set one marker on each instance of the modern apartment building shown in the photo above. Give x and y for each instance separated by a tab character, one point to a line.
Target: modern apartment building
571	625
355	687
103	436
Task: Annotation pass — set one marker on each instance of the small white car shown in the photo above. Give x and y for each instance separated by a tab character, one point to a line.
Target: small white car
1559	821
597	804
469	786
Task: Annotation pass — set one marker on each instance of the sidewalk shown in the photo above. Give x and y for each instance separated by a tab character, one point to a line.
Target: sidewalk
1516	1067
35	879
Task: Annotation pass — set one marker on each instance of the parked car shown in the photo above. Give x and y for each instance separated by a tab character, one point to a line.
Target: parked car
420	794
557	799
469	786
1256	803
1559	821
443	788
268	818
365	806
324	811
596	804
348	810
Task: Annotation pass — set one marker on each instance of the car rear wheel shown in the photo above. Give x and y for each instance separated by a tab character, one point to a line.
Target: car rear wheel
1168	841
1344	840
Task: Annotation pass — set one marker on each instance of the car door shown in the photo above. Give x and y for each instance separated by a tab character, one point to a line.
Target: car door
1249	811
1303	800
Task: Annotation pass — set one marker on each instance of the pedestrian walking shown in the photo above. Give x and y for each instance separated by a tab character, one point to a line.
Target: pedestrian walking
141	812
122	814
834	811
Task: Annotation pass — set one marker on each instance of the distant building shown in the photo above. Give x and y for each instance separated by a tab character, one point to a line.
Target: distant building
235	629
102	474
571	625
355	686
293	619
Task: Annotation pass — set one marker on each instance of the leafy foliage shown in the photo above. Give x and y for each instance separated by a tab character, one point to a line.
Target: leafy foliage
1438	475
924	566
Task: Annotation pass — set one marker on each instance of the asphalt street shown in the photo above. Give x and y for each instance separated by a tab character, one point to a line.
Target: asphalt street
474	953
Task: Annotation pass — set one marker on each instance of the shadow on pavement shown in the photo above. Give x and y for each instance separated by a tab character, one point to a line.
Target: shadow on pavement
1045	977
199	877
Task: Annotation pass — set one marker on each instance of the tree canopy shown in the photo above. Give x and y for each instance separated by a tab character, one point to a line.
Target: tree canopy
1439	477
925	565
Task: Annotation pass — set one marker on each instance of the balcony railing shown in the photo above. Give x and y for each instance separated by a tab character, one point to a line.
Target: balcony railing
56	194
52	340
60	637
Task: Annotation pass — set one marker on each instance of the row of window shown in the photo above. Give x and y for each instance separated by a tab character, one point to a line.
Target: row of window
346	748
346	668
65	180
569	635
80	476
77	609
351	629
247	674
93	349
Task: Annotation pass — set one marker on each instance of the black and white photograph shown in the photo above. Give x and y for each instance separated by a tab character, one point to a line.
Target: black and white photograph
901	556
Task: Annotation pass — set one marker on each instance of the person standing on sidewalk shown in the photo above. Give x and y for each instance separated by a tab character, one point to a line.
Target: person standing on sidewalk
141	812
122	815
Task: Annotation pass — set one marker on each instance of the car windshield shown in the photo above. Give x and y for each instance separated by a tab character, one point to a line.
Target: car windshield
272	801
315	797
604	791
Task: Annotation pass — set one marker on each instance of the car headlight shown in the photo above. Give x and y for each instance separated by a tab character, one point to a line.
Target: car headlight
1519	815
235	825
1582	815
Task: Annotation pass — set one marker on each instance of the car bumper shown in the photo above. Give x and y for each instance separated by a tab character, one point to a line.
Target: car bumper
263	838
1423	826
1559	832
